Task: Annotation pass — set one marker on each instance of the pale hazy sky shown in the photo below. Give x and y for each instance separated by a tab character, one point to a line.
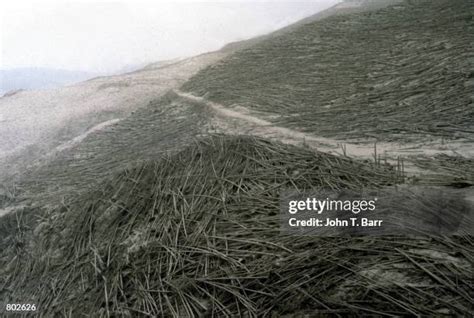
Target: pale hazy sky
105	36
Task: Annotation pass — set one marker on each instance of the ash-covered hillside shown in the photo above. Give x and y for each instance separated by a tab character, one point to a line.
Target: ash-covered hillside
36	125
399	73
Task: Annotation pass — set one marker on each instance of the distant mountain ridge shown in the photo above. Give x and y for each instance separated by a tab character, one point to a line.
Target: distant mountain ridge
29	78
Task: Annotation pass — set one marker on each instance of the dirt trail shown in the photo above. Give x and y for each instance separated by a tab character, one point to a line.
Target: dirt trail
242	121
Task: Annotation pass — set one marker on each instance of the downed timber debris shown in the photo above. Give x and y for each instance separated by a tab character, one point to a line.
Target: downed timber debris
197	233
390	74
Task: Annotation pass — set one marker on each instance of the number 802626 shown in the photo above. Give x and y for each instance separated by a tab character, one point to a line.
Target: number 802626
20	307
